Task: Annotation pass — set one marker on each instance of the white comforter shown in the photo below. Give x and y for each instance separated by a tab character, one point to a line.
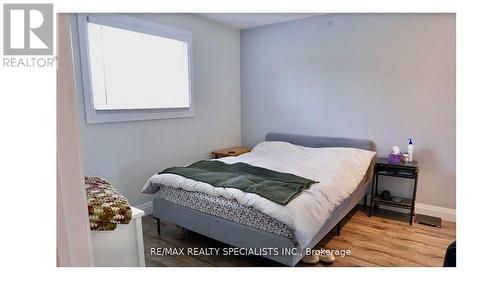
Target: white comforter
338	171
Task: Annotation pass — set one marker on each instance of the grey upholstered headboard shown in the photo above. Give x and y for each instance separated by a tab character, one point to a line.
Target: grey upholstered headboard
313	141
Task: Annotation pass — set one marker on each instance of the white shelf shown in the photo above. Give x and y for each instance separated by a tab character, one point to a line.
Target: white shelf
123	246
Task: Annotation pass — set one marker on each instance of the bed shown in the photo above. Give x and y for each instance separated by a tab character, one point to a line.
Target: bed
248	221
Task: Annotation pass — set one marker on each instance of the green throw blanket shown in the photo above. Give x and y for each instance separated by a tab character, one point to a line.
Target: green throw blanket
275	186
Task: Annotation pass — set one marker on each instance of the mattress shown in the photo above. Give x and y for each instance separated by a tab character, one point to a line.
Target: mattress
227	209
233	211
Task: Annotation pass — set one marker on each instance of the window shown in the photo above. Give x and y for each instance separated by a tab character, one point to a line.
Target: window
134	70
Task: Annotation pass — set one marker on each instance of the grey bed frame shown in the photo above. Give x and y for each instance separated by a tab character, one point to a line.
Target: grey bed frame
247	237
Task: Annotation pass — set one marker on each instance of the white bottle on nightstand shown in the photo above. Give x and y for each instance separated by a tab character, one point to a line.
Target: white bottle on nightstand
410	149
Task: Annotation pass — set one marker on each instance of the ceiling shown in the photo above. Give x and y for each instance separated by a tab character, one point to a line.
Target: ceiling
248	20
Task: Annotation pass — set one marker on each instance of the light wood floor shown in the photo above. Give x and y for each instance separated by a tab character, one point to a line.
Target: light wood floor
385	239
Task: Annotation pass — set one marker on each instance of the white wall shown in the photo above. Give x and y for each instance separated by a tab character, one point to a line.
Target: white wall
128	153
383	77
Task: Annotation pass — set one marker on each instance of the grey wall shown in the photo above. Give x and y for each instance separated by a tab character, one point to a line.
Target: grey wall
128	153
377	76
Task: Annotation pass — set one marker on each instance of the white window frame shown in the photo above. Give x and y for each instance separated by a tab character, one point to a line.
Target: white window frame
133	24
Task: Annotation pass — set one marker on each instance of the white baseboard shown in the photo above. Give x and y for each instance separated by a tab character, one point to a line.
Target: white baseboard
445	214
146	207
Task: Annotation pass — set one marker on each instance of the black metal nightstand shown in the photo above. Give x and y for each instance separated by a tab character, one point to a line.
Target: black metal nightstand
384	168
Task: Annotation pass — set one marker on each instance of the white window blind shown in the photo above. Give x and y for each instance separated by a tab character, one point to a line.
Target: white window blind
134	70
